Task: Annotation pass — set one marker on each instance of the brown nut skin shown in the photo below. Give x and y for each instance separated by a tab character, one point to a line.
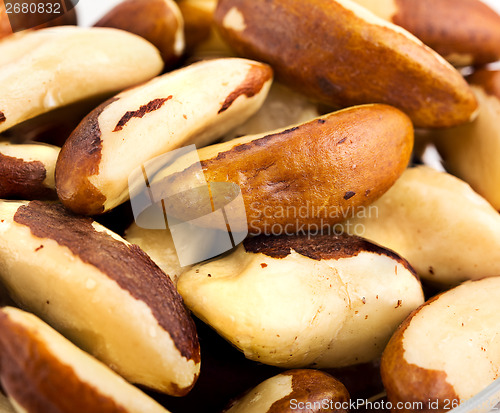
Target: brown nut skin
341	54
333	161
32	20
446	351
303	390
158	21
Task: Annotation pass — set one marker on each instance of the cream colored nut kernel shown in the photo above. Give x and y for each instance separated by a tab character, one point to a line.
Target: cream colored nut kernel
444	229
27	170
42	371
321	301
471	151
193	105
283	107
5	405
341	54
46	69
158	21
101	292
466	32
290	390
326	168
448	350
159	245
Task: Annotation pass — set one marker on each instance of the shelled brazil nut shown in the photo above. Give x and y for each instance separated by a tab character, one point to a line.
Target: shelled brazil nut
446	231
158	21
308	390
447	351
196	104
341	54
43	372
27	170
465	32
297	301
471	151
103	293
43	70
306	176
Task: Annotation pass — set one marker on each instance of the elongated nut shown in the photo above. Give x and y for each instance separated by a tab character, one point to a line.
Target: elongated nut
5	405
447	351
101	292
158	21
321	301
41	371
196	104
339	53
43	70
308	390
27	170
458	241
465	32
159	245
33	20
471	151
304	177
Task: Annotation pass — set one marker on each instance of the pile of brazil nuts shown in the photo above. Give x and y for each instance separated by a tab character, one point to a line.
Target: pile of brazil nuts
367	281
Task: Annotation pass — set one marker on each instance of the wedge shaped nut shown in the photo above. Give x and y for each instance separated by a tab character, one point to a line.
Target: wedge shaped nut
43	372
446	231
101	292
196	104
321	301
471	151
27	170
43	70
159	245
37	20
158	21
341	54
465	32
308	390
447	350
301	178
5	405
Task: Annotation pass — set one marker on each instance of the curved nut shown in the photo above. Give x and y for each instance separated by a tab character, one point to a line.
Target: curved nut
159	245
341	54
322	301
43	70
295	390
465	33
471	152
42	371
309	175
158	21
196	104
101	292
27	170
5	405
446	351
22	21
458	241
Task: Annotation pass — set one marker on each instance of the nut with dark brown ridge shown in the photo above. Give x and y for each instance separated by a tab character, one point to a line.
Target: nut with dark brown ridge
465	32
43	70
158	21
27	171
321	301
41	372
446	351
338	52
23	21
193	105
311	174
310	391
472	151
101	292
459	240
